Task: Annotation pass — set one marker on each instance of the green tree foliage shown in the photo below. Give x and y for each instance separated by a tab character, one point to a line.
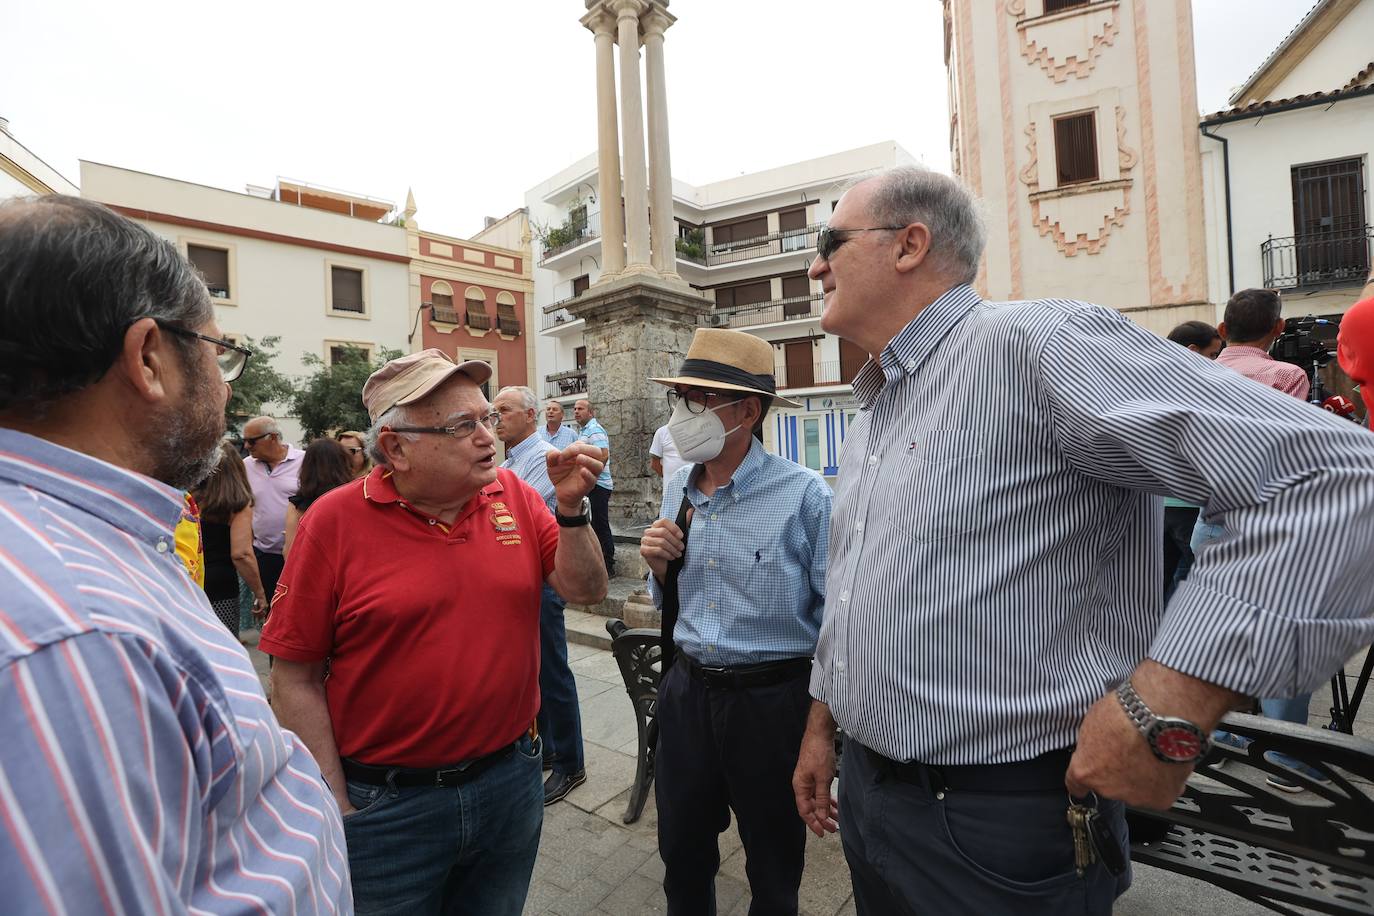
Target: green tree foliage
260	384
329	398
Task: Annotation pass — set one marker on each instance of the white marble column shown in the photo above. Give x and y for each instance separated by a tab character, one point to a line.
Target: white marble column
664	227
602	25
632	139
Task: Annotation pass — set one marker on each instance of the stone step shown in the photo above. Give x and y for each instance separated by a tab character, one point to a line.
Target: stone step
613	605
587	629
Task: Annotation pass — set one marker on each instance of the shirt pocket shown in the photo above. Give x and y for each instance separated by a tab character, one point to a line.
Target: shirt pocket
936	493
765	570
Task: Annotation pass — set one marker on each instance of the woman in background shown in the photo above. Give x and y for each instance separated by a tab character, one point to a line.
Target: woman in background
226	525
358	463
324	467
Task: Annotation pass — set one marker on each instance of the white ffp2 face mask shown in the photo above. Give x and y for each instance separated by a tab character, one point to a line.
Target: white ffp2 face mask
699	437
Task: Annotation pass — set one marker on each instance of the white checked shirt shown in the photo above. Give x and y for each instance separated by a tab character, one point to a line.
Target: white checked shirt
995	560
529	464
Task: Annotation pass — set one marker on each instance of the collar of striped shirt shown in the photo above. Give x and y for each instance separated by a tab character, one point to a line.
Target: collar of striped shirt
914	343
531	443
146	508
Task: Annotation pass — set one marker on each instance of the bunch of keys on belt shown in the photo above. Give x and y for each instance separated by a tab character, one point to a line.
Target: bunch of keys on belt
1093	838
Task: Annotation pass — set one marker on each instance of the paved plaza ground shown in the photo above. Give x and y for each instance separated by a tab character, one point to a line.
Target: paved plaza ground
590	863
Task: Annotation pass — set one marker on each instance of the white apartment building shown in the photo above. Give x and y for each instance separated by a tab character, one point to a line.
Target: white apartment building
744	242
1286	168
310	265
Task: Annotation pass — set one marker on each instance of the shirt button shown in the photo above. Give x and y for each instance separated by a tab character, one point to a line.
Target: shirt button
911	364
711	562
431	521
161	546
713	516
710	604
844	595
839	666
872	459
859	526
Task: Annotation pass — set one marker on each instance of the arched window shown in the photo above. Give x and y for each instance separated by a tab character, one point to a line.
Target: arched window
475	305
441	298
507	321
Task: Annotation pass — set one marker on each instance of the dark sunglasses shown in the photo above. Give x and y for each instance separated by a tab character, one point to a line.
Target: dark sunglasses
250	441
829	240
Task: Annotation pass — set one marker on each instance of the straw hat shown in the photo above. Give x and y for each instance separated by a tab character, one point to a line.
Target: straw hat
725	360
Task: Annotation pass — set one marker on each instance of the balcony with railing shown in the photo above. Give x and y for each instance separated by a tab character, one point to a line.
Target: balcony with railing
556	314
565	384
796	308
817	374
1316	260
693	251
560	242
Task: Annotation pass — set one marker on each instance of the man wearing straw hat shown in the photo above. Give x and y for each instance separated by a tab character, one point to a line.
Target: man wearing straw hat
740	552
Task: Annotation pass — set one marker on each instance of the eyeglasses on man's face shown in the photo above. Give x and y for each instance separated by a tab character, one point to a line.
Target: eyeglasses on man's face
229	356
698	400
829	240
459	430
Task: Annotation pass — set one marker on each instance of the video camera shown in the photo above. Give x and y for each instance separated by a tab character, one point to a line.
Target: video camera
1300	344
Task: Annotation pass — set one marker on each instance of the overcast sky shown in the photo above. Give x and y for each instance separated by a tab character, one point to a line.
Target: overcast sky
471	103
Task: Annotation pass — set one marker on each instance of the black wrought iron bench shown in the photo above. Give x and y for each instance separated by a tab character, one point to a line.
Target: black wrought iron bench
637	654
1313	850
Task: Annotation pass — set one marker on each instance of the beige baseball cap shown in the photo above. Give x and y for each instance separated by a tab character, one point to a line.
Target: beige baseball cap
409	378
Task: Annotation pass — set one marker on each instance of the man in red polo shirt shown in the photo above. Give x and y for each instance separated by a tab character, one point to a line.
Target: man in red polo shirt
419	585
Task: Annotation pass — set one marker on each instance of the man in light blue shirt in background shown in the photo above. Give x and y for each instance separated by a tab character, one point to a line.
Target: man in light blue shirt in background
560	719
593	433
733	701
555	431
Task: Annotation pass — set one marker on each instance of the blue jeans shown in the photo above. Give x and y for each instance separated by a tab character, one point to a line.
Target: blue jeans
469	849
560	719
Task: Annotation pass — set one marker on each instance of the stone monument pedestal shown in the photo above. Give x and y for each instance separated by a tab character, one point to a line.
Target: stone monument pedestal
638	326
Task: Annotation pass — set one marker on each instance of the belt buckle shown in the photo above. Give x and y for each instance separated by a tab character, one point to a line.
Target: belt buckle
716	670
440	774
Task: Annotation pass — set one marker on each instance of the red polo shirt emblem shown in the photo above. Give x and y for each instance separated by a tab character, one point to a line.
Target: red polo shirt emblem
503	520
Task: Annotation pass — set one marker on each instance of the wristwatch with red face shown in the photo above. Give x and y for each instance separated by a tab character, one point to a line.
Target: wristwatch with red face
1171	740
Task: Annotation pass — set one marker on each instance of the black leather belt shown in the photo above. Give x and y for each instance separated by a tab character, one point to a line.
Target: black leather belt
741	676
1039	774
439	777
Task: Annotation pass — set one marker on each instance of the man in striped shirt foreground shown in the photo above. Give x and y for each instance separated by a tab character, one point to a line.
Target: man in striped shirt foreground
994	631
142	770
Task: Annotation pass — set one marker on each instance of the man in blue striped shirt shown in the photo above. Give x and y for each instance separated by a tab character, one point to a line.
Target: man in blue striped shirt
732	707
560	719
995	632
142	770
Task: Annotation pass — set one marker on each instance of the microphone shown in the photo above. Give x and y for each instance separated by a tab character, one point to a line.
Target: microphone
1340	406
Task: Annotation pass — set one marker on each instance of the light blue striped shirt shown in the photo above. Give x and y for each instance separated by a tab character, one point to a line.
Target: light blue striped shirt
529	464
141	769
753	586
565	436
593	433
996	554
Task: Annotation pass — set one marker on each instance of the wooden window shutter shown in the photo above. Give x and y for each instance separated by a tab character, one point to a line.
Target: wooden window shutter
791	220
796	287
1075	148
213	264
348	289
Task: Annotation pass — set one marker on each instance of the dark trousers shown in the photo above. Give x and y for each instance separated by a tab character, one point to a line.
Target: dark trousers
914	847
269	568
560	720
1178	556
723	750
601	524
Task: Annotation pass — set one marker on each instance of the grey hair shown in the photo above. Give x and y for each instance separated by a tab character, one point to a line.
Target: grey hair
915	194
527	399
396	416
